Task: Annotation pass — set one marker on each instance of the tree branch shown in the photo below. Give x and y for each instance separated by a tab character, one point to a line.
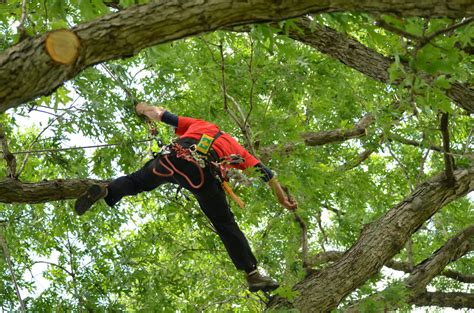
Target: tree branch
319	259
424	272
14	191
21	27
448	159
455	300
340	134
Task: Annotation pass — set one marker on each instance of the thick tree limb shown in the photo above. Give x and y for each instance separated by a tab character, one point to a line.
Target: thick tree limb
424	272
27	71
14	191
364	155
322	258
386	236
456	300
363	59
338	135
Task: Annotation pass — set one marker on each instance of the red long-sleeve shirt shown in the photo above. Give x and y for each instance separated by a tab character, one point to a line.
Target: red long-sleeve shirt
225	145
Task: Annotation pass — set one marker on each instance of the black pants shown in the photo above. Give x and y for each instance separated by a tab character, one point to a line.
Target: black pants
211	198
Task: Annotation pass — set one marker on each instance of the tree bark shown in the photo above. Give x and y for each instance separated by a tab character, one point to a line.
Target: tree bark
27	71
378	243
363	59
14	191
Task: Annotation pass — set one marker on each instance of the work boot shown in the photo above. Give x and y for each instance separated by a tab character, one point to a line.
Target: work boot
258	282
88	198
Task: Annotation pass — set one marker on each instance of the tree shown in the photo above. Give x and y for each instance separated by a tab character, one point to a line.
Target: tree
379	158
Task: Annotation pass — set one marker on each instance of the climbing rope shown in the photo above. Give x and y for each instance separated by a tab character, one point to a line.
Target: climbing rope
181	153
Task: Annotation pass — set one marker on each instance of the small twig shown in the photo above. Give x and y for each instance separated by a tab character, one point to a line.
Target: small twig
404	168
364	155
21	27
427	39
330	208
224	90
72	264
7	155
323	232
422	167
395	30
239	121
448	160
118	80
7	256
409	247
252	79
25	160
56	265
304	231
468	141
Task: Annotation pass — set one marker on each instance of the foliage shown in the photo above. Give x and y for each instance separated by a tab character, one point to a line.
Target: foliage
155	252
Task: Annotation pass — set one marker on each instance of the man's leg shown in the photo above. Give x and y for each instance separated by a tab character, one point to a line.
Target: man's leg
132	184
214	204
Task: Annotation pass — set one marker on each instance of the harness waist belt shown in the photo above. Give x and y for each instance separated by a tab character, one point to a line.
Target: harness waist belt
188	142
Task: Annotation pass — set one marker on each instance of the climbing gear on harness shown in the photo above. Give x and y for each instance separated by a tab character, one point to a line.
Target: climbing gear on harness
194	154
182	153
222	166
200	154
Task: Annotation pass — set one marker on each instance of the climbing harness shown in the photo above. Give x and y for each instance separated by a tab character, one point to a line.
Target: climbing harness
182	153
193	154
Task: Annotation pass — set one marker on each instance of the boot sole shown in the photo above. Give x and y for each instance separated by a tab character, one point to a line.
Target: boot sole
87	199
263	288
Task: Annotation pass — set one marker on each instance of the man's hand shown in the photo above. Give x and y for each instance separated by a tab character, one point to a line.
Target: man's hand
151	112
290	204
284	200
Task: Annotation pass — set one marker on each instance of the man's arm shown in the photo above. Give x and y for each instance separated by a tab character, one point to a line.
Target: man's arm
156	114
281	195
269	177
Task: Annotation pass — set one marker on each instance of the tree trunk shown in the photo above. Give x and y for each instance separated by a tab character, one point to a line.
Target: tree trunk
14	191
378	243
27	70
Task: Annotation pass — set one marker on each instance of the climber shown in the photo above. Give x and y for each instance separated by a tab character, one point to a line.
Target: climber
195	162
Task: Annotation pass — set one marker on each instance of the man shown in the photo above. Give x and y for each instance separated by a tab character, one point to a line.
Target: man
191	163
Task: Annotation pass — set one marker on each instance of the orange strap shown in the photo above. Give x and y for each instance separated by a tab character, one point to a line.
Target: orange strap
230	192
